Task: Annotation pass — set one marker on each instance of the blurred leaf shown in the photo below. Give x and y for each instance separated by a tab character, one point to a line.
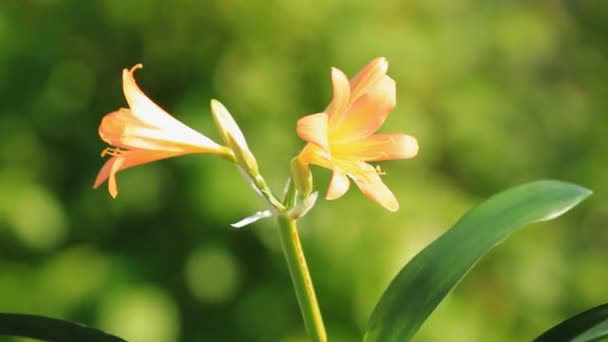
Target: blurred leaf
590	325
50	329
431	274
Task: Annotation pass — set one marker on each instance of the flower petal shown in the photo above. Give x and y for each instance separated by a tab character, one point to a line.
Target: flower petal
145	110
341	97
122	128
313	154
164	140
112	186
109	170
367	78
126	160
367	113
338	186
379	147
372	186
113	125
313	128
104	173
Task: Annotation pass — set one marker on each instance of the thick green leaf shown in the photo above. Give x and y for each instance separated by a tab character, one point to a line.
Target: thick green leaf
50	329
591	325
423	283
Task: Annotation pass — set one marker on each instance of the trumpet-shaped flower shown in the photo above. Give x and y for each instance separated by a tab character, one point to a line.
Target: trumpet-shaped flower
145	133
343	139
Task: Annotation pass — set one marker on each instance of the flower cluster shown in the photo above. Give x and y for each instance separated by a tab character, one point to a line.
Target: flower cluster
342	138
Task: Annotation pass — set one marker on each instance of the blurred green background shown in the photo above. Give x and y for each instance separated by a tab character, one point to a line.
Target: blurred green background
497	92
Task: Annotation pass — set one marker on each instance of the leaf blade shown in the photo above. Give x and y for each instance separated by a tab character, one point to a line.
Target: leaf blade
590	325
50	329
423	283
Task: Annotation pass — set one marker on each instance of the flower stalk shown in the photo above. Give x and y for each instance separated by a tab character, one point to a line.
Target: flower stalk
298	270
302	282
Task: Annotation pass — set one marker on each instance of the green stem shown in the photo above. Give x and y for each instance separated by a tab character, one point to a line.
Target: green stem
302	282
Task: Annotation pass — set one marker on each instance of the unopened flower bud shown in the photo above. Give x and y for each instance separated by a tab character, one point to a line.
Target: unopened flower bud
234	138
302	177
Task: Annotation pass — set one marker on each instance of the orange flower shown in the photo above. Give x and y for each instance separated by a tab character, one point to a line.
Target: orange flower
342	138
146	133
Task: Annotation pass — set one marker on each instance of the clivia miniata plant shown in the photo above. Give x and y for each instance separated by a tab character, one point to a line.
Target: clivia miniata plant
342	138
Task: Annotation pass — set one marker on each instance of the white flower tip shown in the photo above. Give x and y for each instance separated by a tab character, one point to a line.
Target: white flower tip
382	64
410	146
338	75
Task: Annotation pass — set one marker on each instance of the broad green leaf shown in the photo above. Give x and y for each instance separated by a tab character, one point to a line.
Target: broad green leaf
591	325
50	329
423	283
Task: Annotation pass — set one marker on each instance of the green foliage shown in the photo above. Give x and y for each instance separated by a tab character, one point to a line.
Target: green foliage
423	283
497	92
50	329
591	325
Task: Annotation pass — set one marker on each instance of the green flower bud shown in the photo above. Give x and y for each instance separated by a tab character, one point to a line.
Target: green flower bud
302	177
234	138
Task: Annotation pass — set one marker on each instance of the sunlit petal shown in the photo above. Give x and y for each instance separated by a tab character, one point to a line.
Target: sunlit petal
367	113
145	109
313	154
159	139
379	147
367	78
341	98
142	107
104	173
373	187
113	125
313	128
125	160
338	186
115	166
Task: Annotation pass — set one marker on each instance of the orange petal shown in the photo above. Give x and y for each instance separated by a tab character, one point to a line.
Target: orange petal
109	170
367	113
379	147
112	186
313	154
104	173
126	160
313	128
144	109
373	187
367	78
123	129
113	126
338	186
163	140
341	97
154	144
